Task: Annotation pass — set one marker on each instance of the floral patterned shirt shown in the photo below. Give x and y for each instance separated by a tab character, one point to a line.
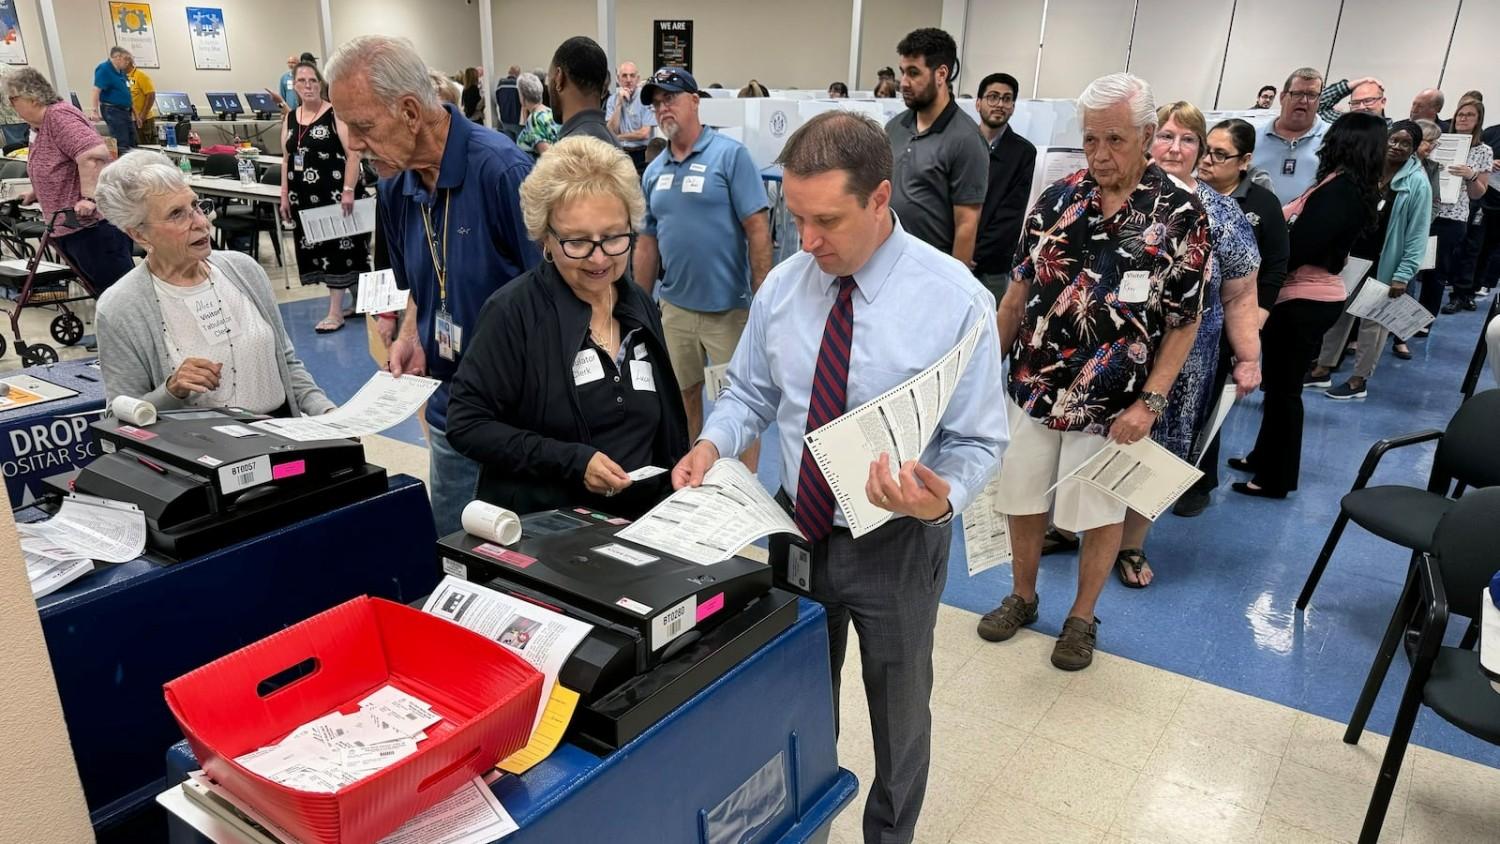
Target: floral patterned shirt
540	128
1102	292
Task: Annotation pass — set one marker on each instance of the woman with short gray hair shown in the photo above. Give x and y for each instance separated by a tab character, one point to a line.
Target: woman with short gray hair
538	128
63	163
191	327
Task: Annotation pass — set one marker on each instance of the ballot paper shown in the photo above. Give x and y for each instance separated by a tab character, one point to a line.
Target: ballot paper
383	402
1354	272
21	265
1227	397
378	293
986	530
329	221
21	390
1429	259
711	522
88	527
1054	164
1402	315
50	569
536	634
1143	475
900	422
470	815
716	380
1452	150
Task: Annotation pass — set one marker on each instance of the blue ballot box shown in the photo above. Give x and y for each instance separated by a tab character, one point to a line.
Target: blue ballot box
116	635
750	758
49	438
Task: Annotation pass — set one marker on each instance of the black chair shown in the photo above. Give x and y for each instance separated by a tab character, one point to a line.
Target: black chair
1466	457
221	164
261	218
1447	581
1476	363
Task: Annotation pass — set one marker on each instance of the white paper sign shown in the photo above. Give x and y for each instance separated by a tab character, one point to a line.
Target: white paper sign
1451	150
329	221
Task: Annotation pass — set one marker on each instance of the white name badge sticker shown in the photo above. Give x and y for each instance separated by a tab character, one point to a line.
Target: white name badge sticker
587	368
641	375
692	184
1135	286
664	181
698	168
213	319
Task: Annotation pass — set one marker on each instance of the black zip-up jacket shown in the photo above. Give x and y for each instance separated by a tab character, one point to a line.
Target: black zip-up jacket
1012	163
514	407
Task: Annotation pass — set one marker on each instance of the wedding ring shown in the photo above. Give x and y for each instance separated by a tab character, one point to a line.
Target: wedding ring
884	499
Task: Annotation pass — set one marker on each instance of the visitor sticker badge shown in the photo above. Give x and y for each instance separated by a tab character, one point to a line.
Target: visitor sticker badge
664	181
1135	286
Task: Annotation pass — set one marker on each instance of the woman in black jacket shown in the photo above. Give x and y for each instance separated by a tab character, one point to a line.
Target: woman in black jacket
565	389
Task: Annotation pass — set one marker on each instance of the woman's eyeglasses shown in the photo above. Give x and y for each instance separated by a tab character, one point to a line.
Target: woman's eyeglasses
183	214
582	248
1219	156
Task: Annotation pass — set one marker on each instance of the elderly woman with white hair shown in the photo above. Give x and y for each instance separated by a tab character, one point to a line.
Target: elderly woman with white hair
566	388
538	128
191	327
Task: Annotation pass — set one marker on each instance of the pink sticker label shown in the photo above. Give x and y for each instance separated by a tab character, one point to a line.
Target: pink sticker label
711	606
504	555
136	433
617	521
288	470
584	510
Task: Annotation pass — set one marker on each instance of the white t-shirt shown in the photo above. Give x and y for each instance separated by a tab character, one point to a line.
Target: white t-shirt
214	320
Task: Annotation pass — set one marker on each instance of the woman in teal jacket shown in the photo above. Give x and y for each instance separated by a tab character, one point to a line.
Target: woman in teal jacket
1396	246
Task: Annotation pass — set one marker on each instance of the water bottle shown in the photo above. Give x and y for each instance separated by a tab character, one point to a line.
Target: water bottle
247	170
185	166
169	135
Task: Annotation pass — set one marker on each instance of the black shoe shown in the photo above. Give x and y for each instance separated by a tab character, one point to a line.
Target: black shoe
1255	492
1469	304
1402	351
1192	503
1240	464
1452	307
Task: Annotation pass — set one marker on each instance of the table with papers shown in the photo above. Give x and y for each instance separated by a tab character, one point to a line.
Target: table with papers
117	634
41	439
230	187
687	772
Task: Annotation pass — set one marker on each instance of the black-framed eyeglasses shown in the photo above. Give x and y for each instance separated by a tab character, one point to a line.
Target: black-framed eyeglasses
1219	156
1305	96
996	98
582	248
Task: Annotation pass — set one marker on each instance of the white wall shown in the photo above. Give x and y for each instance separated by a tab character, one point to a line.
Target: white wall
445	32
886	22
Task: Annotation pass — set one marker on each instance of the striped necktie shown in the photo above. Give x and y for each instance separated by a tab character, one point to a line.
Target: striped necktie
815	504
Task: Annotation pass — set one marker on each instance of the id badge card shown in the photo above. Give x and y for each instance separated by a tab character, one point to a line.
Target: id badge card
297	161
449	336
791	562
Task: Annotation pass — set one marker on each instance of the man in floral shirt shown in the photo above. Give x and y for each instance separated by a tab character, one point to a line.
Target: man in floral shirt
1100	313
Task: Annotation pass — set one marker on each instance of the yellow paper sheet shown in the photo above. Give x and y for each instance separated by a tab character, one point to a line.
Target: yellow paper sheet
547	735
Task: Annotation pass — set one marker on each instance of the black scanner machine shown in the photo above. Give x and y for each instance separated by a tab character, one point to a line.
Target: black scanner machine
664	627
205	479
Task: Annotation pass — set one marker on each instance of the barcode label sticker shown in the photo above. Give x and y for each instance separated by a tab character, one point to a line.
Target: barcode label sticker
626	555
674	622
245	474
455	568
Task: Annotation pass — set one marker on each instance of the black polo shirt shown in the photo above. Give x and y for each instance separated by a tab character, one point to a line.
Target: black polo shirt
589	122
933	171
621	408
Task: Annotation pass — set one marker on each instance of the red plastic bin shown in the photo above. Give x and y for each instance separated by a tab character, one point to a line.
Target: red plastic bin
486	695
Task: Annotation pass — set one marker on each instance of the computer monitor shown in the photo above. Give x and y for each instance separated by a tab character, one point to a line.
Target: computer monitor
173	104
224	103
261	103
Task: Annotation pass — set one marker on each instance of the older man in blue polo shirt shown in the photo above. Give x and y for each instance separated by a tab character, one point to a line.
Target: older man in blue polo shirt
450	212
706	223
112	98
630	117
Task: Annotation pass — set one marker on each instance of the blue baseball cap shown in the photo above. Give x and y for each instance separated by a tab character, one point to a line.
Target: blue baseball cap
673	80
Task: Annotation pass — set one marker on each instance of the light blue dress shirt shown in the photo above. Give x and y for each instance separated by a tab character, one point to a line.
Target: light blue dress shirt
913	304
636	115
1292	165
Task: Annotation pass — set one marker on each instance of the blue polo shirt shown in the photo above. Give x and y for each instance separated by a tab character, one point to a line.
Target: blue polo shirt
112	86
478	192
1292	165
694	209
636	115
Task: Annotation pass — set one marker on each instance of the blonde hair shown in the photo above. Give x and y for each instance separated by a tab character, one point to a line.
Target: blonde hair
1188	117
576	168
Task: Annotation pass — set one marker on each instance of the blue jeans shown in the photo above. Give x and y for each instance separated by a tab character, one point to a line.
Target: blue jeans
121	124
452	479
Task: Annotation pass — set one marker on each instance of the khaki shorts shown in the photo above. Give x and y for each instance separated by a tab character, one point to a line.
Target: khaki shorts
696	338
1035	458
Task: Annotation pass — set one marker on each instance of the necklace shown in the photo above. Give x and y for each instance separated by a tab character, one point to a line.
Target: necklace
607	342
226	385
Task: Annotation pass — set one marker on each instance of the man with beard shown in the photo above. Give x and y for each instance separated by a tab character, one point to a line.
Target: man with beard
1288	145
706	223
578	78
450	213
941	162
1012	162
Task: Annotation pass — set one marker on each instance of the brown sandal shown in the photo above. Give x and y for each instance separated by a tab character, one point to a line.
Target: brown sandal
1133	560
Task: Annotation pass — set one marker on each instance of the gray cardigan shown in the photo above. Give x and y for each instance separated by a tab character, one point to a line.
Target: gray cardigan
133	350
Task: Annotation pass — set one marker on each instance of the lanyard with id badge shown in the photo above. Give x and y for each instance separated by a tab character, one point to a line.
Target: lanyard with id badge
449	335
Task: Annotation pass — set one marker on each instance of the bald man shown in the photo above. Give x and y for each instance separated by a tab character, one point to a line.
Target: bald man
628	118
1427	105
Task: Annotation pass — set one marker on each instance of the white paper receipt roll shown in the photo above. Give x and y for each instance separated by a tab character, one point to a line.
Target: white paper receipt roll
487	521
133	410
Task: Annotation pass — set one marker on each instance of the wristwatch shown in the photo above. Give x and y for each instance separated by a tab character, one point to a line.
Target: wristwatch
1154	402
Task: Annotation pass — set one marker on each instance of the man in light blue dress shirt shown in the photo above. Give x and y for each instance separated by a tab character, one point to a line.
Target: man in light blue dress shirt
911	304
631	118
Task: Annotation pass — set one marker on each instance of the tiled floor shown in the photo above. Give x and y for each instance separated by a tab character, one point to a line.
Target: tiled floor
1213	711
